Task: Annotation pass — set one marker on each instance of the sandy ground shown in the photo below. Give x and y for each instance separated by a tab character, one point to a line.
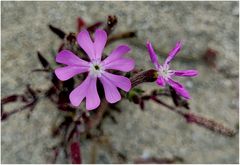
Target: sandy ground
155	132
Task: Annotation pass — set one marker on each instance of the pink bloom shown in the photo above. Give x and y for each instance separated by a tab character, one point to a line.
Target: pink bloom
165	75
96	69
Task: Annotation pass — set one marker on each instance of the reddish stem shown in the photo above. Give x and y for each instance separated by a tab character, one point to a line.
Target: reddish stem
199	120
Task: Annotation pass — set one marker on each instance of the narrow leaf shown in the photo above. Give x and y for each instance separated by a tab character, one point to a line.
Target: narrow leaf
93	27
80	24
42	60
8	99
61	34
75	153
111	22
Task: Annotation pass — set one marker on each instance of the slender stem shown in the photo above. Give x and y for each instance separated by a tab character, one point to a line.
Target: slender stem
208	123
95	120
5	115
199	120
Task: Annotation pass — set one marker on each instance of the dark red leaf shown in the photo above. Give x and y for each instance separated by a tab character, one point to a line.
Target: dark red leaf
80	24
93	27
135	99
8	99
42	60
146	97
71	37
31	91
124	35
177	100
66	107
56	82
111	22
185	104
61	34
5	115
61	47
75	153
175	96
142	105
50	91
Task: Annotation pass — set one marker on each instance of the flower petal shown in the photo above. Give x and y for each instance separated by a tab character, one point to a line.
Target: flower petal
68	58
160	81
179	88
186	73
67	72
79	93
152	54
122	64
117	53
173	53
111	92
100	40
119	81
92	97
85	42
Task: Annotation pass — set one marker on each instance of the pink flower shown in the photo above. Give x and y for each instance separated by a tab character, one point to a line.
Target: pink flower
96	69
165	75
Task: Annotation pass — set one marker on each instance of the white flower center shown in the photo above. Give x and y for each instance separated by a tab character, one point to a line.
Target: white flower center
165	72
96	69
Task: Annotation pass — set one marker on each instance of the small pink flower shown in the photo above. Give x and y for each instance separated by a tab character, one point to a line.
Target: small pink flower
96	69
165	75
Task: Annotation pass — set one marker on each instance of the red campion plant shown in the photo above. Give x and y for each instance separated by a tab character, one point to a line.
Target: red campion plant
78	123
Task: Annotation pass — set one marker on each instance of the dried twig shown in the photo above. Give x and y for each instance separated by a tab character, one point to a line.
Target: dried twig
121	36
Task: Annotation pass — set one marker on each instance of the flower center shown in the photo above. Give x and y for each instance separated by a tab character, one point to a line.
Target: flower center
96	69
165	72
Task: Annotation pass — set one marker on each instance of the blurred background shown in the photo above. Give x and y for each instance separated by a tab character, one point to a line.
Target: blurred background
154	132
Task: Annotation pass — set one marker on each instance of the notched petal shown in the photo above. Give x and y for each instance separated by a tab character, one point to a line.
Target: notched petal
86	43
121	64
119	81
68	58
65	73
117	53
92	97
111	92
100	40
79	93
